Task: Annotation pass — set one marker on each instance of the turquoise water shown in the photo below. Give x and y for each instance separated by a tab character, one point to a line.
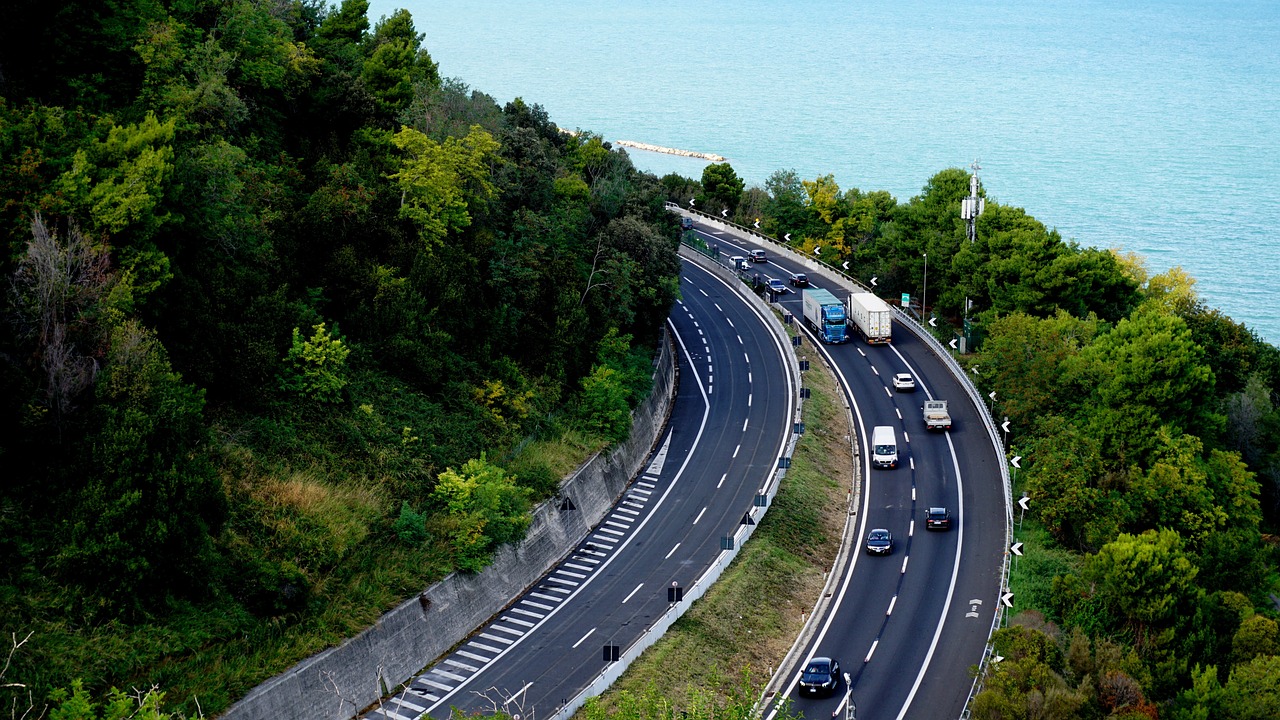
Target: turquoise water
1150	126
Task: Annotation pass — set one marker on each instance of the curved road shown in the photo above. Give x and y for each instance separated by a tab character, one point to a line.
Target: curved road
727	430
906	627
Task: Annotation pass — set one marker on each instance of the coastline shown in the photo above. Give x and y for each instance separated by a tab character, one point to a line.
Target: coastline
670	151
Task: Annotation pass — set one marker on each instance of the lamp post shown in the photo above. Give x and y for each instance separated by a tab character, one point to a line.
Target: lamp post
924	296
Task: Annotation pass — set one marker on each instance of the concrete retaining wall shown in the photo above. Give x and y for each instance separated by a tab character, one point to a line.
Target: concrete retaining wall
341	681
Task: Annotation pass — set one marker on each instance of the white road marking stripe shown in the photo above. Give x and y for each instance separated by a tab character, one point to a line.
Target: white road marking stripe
530	613
507	630
434	684
518	622
695	520
540	606
611	532
455	663
584	637
401	701
633	592
673	552
570	574
544	596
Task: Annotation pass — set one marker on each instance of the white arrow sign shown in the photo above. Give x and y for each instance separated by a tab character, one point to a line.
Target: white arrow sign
1024	502
953	343
1016	549
1005	425
992	395
1007	599
933	322
845	265
787	237
817	250
724	212
690	202
996	658
873	281
757	223
1015	460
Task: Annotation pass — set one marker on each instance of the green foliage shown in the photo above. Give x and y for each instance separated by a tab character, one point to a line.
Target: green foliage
1145	580
442	183
118	705
410	526
721	187
316	367
484	508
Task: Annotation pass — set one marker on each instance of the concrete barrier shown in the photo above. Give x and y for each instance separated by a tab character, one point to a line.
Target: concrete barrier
340	682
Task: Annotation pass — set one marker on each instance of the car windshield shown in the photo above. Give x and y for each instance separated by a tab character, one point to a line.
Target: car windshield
879	535
884	449
817	669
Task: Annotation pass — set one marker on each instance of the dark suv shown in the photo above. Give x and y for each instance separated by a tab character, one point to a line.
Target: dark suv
799	280
937	518
686	223
821	676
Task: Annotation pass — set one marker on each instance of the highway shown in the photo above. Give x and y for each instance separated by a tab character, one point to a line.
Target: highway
728	427
906	627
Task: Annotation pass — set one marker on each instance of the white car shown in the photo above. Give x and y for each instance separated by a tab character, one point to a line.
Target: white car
903	382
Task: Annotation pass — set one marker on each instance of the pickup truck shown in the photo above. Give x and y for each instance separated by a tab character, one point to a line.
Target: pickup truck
936	415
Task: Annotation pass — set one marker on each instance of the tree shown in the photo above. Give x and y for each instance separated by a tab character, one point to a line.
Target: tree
443	184
484	509
721	187
1145	580
396	62
316	367
785	211
1253	691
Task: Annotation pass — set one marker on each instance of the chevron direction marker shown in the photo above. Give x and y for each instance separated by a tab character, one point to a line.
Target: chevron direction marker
817	250
787	237
690	202
992	395
757	223
1016	549
1014	462
873	281
996	658
933	322
953	343
845	265
724	212
1005	425
1024	502
1007	599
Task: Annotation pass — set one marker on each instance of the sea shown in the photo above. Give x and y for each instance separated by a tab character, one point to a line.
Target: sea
1150	126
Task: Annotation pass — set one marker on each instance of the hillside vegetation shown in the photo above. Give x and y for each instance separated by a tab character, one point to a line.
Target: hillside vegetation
292	326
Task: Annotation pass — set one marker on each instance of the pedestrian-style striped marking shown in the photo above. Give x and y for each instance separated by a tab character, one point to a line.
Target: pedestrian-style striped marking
517	621
529	613
507	630
461	665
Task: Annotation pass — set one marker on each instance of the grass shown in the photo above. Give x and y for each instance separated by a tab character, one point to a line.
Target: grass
751	616
1031	576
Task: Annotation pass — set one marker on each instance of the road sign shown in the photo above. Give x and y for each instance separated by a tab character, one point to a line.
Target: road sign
1017	549
906	299
1024	502
1007	599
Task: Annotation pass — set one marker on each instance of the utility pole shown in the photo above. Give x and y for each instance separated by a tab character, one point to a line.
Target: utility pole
970	208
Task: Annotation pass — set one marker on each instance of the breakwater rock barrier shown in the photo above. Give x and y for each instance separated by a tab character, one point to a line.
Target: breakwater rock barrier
670	151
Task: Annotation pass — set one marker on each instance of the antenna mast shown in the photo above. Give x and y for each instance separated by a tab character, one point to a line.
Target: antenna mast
972	206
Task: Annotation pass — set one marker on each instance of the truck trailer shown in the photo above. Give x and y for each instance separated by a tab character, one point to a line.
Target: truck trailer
872	317
824	313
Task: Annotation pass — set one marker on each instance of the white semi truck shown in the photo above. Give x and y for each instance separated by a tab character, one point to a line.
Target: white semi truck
872	317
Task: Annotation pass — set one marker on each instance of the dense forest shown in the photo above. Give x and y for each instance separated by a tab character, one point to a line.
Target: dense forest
292	326
1149	425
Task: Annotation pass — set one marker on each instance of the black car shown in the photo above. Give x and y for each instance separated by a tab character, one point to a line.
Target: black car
799	280
686	223
821	676
937	518
879	542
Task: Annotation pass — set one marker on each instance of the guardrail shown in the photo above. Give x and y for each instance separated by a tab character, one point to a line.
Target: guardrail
700	586
938	349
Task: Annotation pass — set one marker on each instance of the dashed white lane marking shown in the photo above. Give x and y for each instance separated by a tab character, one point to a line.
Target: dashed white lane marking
892	602
722	477
913	466
740	340
730	322
877	372
748	377
860	352
744	424
718	306
911	528
704	292
748	400
886	391
899	413
906	435
904	565
633	592
700	514
735	450
584	637
871	652
673	552
913	490
748	357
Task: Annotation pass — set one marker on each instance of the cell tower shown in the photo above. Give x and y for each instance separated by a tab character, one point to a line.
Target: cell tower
972	206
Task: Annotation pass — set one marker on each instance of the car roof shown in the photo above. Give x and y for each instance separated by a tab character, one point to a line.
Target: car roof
878	531
819	659
937	509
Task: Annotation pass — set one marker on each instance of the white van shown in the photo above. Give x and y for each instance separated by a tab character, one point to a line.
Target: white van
884	447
